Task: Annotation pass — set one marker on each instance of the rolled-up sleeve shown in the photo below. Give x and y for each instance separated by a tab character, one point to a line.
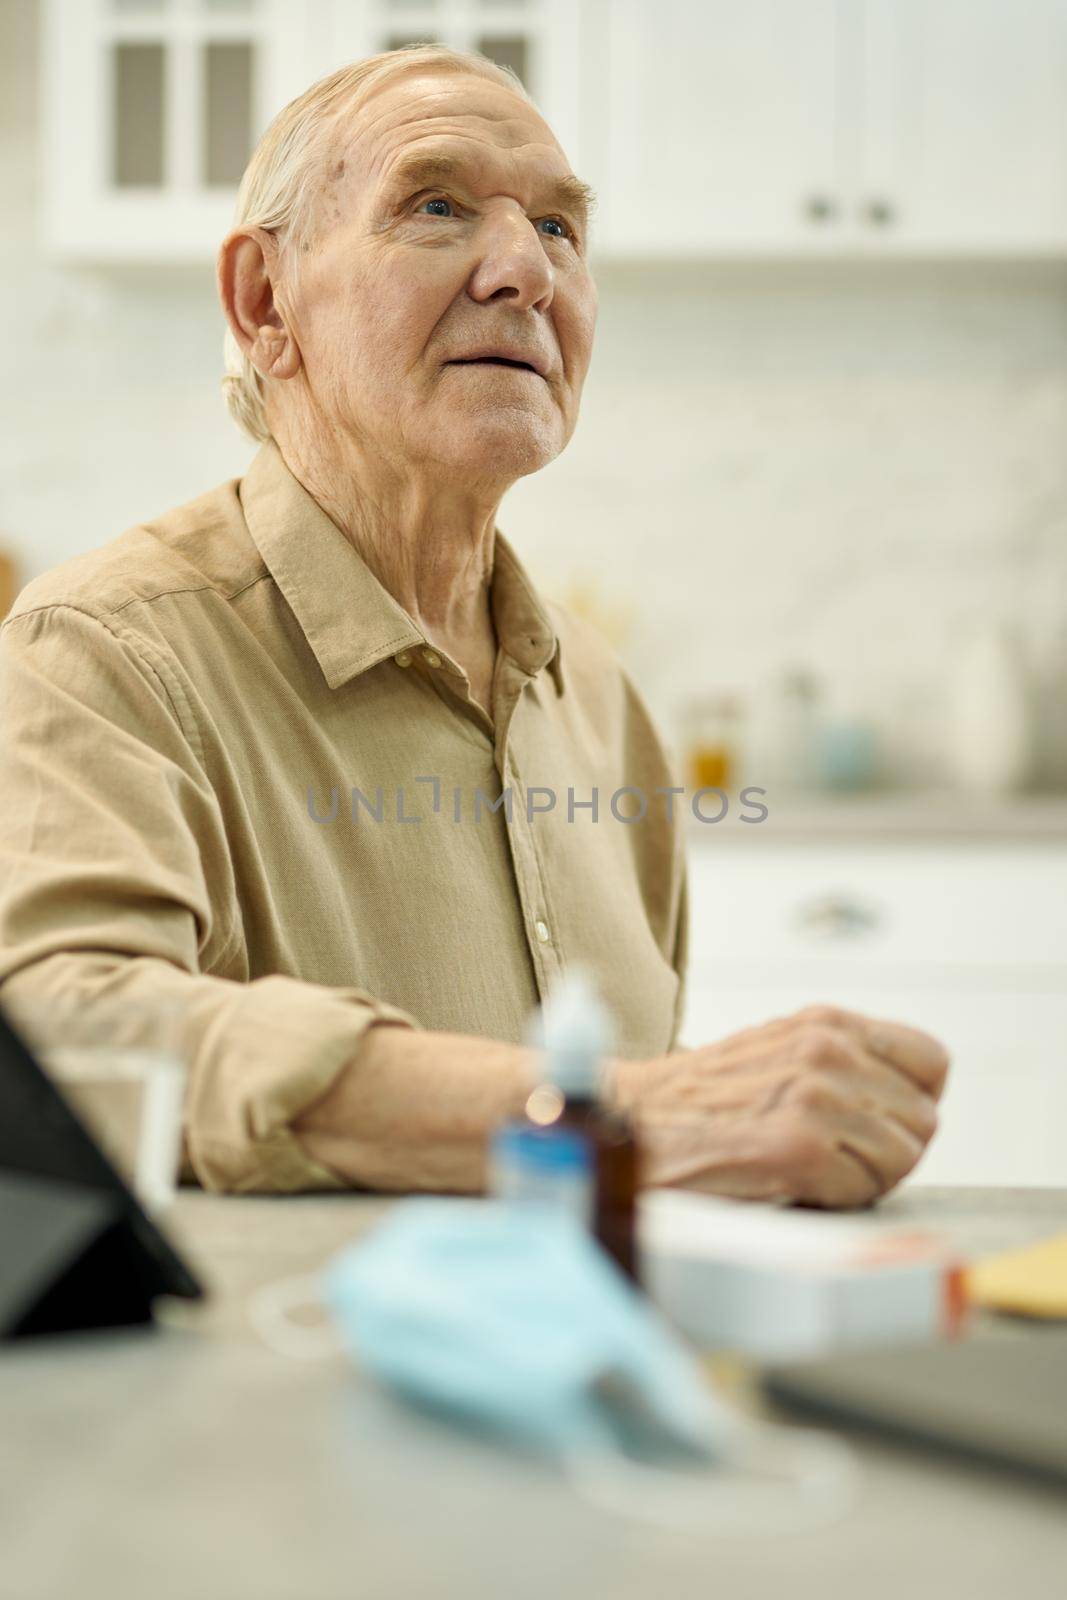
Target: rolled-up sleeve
117	910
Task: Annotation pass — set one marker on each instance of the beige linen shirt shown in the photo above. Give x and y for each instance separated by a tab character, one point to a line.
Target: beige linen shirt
239	785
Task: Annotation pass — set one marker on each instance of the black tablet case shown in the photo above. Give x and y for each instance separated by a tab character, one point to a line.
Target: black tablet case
76	1249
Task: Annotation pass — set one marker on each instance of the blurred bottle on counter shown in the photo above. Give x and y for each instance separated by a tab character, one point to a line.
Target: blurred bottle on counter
846	745
989	733
712	726
784	732
571	1148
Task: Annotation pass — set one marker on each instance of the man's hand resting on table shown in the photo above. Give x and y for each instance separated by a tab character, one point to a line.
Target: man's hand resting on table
824	1107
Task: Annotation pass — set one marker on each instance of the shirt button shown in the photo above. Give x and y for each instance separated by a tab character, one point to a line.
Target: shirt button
541	930
403	659
431	658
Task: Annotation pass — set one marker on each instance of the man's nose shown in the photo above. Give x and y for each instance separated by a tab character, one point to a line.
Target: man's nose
513	264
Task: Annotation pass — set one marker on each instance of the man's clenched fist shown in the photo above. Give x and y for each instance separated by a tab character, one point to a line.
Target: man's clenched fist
826	1108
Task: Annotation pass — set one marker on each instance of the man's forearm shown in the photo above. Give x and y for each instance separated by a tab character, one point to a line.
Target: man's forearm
827	1107
414	1109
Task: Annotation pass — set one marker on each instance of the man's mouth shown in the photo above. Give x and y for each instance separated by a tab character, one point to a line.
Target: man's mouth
492	361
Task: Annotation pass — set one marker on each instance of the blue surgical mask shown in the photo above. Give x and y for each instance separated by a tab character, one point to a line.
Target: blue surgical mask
511	1319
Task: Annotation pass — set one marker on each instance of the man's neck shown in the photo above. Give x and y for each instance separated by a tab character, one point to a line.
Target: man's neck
432	550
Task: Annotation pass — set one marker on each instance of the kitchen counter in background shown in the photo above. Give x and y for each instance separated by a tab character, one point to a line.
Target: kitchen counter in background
940	814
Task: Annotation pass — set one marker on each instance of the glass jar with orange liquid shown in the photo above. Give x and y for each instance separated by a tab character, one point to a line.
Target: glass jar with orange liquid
711	741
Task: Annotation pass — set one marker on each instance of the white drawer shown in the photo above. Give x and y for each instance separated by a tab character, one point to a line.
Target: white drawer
898	905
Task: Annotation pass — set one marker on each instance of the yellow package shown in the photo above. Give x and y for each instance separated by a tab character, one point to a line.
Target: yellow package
1031	1282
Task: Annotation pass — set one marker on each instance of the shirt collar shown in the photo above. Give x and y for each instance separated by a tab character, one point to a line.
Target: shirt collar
350	620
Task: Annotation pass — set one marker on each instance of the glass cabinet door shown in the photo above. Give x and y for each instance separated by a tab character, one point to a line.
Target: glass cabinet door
153	108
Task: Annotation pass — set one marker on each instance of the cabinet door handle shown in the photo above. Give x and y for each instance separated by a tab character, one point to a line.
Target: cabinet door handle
836	916
879	213
820	208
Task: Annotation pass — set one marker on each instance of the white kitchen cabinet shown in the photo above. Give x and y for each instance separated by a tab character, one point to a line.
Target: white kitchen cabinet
150	110
771	128
724	127
963	138
968	941
866	907
837	127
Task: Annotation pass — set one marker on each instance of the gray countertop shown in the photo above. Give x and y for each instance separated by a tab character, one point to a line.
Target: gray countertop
193	1461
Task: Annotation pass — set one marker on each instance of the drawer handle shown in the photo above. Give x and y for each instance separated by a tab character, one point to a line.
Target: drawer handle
836	916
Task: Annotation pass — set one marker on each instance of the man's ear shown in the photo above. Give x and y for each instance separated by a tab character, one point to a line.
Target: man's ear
246	273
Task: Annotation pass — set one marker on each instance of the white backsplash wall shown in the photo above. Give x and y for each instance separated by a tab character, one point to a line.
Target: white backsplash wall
824	465
836	466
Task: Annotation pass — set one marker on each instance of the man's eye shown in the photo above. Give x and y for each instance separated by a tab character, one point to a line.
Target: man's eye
438	200
563	229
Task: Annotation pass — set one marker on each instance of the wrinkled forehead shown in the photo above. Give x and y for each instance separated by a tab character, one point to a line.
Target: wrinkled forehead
447	113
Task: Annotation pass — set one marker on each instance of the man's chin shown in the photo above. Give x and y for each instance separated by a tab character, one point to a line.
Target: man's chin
504	446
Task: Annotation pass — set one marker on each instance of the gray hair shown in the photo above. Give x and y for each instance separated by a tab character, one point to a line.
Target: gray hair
278	188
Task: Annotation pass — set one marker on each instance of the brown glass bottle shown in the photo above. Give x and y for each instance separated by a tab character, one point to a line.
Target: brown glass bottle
616	1175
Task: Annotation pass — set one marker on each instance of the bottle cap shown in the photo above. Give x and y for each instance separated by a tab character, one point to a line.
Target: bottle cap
573	1030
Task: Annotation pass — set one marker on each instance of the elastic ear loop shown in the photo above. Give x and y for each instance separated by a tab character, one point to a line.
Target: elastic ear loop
769	1480
269	1311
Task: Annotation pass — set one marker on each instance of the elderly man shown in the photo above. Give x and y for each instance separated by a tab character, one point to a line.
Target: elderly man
309	764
